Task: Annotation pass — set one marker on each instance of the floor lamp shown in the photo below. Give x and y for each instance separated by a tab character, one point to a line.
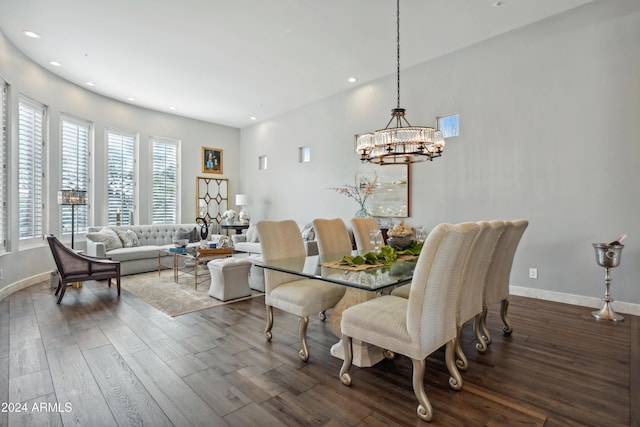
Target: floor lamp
73	198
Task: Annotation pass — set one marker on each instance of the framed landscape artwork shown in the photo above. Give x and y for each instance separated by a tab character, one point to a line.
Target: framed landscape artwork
211	160
391	196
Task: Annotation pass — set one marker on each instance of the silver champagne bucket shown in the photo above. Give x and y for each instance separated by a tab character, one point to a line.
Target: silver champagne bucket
608	256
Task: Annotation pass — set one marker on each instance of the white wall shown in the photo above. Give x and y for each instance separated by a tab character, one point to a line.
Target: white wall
61	97
549	132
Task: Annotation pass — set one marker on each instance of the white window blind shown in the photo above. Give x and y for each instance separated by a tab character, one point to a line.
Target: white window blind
31	169
3	165
165	181
75	170
121	177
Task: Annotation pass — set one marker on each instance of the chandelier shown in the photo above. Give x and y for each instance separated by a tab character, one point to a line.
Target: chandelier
402	143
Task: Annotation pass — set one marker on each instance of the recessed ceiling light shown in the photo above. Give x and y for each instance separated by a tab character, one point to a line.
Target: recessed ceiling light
31	34
352	79
172	108
253	118
90	83
55	63
131	98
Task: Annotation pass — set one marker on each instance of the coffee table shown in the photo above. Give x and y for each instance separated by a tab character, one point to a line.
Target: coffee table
189	262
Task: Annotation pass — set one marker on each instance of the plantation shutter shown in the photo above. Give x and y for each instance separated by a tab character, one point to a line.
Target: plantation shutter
75	170
3	165
30	169
121	177
165	182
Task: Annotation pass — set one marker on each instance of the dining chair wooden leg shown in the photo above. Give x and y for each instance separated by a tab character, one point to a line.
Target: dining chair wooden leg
63	288
455	381
304	352
461	359
481	346
118	284
486	335
425	411
504	307
345	378
267	330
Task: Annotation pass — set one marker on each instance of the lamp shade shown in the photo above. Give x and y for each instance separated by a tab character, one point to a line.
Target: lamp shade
241	199
72	197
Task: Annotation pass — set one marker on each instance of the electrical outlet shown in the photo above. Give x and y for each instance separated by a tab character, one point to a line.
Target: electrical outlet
533	273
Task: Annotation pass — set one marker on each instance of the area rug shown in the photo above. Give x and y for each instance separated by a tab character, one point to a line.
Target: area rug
172	298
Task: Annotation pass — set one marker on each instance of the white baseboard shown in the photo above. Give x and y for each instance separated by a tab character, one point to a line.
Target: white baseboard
618	306
24	283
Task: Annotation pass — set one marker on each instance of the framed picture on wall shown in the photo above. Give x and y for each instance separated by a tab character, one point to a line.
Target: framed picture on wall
391	196
211	160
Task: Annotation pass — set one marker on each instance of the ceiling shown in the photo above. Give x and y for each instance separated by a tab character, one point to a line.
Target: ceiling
225	62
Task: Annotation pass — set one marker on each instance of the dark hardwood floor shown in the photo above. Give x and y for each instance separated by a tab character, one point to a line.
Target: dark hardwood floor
95	360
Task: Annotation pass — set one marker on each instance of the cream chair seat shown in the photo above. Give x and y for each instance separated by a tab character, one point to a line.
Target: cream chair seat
362	228
419	325
497	281
287	292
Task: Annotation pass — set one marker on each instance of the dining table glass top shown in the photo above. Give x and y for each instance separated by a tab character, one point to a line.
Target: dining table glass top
370	278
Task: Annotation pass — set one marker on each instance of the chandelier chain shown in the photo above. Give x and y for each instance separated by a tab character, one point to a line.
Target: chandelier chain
398	49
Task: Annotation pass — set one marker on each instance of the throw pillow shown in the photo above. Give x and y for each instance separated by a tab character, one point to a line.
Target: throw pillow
191	235
107	236
252	234
128	238
308	233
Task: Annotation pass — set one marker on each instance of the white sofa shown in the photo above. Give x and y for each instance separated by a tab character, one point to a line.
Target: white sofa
250	243
136	246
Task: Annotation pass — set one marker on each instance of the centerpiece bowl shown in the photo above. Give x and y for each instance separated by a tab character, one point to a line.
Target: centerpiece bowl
400	242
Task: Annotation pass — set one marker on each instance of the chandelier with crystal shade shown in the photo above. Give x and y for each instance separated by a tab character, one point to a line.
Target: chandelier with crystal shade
402	143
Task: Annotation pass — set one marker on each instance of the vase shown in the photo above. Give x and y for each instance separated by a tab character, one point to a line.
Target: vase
362	212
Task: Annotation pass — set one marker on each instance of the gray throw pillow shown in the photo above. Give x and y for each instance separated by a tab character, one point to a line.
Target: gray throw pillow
107	236
128	238
190	235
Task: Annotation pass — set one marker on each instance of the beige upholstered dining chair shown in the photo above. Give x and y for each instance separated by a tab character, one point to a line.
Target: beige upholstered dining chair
362	228
292	294
418	325
497	281
332	236
473	282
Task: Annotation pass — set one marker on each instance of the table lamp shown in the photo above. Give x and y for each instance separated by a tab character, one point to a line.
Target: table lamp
73	198
241	200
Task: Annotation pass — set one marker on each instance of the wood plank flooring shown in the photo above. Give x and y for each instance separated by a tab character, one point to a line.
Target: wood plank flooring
96	360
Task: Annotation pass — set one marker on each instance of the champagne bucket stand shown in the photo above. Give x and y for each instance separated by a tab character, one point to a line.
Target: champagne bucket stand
607	256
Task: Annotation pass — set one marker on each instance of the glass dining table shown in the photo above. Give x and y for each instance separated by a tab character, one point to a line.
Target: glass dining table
362	283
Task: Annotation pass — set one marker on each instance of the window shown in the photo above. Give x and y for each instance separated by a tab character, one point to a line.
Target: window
165	181
262	162
449	125
75	169
304	154
120	178
31	118
3	166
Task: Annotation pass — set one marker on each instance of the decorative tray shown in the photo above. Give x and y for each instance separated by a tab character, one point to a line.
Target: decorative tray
214	251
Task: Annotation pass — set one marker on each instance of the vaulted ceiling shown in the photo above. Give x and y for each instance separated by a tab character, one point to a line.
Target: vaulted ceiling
228	61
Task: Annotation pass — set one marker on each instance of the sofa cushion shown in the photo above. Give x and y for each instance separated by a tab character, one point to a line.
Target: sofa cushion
128	238
134	253
107	236
252	234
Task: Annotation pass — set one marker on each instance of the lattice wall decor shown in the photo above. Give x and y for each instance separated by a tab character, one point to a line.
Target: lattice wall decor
212	200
